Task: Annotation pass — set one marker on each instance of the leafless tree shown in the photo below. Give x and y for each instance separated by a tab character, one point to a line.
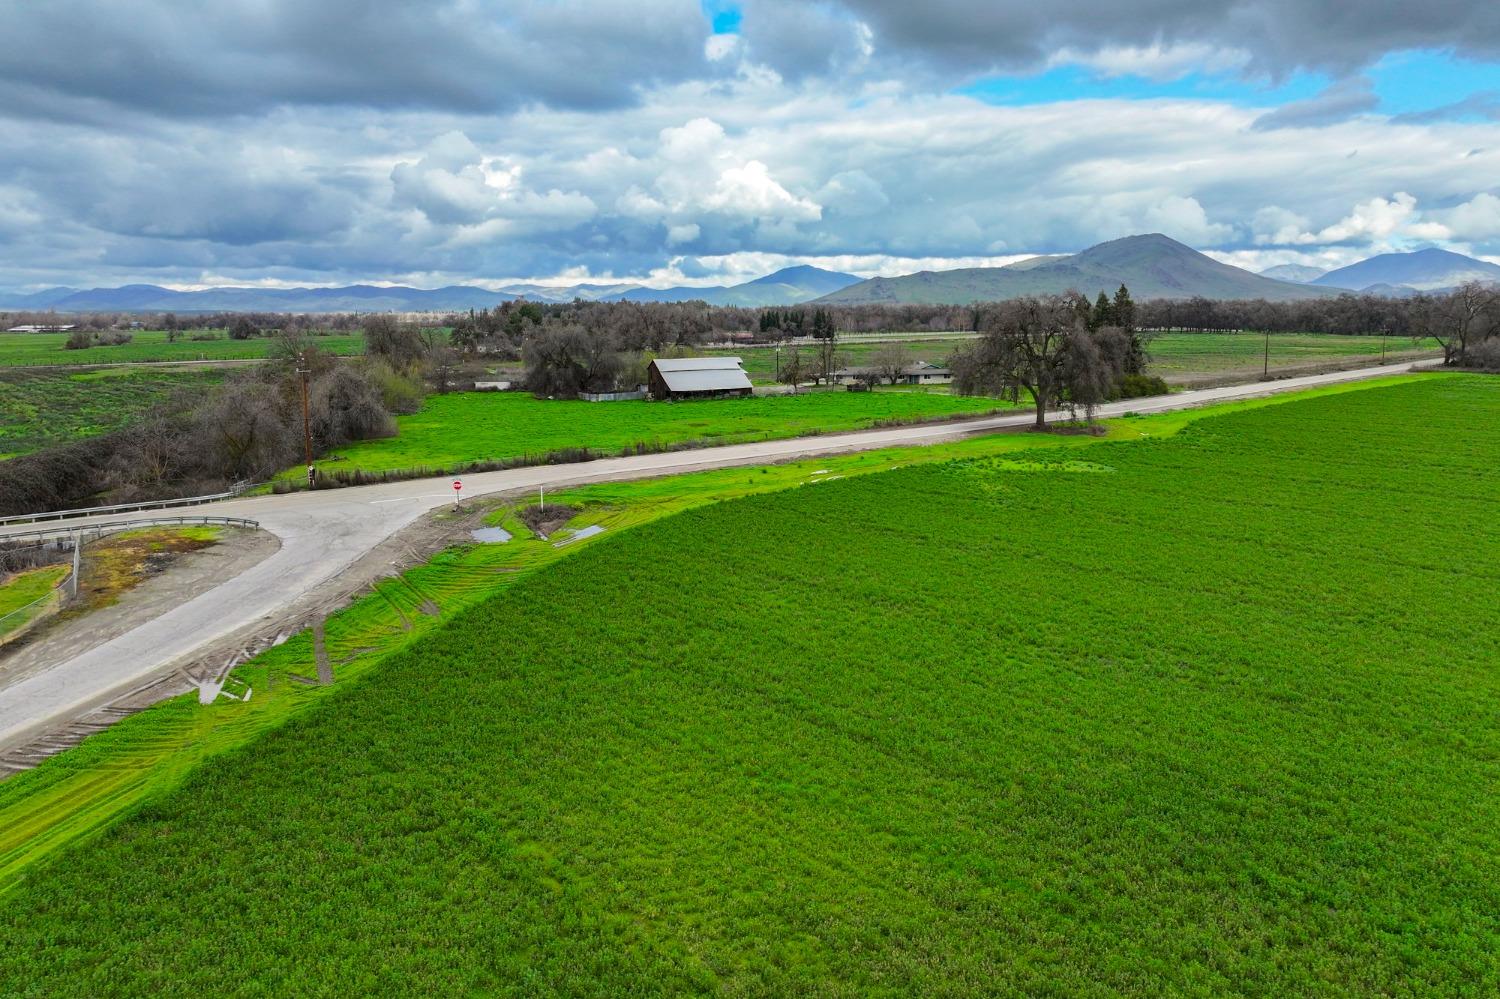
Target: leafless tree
891	361
792	369
1459	320
1023	350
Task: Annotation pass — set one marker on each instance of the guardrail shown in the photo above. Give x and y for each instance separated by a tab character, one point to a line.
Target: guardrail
91	532
95	511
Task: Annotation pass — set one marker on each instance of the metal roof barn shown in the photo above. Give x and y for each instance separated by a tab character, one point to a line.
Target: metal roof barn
697	377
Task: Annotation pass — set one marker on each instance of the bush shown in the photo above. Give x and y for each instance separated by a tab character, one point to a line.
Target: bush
1140	386
401	393
1485	356
243	329
79	340
114	338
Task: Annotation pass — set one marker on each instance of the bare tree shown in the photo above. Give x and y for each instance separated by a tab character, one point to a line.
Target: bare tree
1459	320
400	344
792	369
891	361
830	359
564	361
1023	350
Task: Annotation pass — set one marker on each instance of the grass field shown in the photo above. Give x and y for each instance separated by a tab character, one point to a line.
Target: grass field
31	349
489	426
20	590
1200	714
41	408
1173	355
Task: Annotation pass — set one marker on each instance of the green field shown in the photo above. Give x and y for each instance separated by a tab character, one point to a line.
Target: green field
30	349
41	408
1198	714
1183	355
491	426
1173	355
20	590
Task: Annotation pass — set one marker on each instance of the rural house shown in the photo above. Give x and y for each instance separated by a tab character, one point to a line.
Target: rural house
697	378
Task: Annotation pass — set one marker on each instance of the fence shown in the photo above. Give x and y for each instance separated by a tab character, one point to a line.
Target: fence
95	511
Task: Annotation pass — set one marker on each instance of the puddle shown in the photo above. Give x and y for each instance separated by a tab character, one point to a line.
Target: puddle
580	534
491	535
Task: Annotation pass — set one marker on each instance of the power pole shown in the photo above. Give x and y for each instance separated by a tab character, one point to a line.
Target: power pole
1266	373
303	372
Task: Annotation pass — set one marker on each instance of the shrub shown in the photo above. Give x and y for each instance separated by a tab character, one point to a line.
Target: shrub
79	340
113	338
1140	386
1485	356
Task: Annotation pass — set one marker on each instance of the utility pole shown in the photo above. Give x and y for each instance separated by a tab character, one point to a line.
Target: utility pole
1266	373
302	373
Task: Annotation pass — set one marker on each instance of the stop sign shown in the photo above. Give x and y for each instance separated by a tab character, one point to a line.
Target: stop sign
457	485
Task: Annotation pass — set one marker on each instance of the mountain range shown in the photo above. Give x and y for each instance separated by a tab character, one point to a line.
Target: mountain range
1151	266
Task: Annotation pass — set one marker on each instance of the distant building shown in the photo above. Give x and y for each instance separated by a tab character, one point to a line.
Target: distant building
921	373
40	329
697	378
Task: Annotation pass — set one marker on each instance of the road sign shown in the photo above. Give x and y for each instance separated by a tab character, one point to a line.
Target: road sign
457	485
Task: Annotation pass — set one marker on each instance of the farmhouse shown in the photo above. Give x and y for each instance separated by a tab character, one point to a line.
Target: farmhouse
920	373
697	378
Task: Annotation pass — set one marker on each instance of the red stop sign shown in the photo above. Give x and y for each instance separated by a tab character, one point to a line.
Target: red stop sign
457	485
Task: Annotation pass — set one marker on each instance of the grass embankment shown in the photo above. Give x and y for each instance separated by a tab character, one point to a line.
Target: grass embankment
21	590
28	349
1188	723
496	426
40	409
117	563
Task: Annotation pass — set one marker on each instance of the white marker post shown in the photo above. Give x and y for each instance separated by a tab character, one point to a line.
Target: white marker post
541	494
458	487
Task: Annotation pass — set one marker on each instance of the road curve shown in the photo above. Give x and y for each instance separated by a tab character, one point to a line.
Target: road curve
324	532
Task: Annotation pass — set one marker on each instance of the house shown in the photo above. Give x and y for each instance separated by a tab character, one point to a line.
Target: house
40	329
697	378
924	373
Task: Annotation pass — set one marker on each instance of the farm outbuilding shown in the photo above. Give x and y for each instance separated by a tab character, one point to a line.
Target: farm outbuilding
697	378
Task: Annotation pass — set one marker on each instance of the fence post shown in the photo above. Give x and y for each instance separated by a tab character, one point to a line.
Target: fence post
77	564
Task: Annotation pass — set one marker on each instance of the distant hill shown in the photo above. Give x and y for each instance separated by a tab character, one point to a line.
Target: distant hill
1295	273
568	293
1422	270
788	286
43	299
1152	266
353	298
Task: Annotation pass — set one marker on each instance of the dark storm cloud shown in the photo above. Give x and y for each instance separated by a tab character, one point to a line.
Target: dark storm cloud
66	58
1280	36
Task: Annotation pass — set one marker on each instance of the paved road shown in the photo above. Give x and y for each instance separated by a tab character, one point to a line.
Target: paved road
324	532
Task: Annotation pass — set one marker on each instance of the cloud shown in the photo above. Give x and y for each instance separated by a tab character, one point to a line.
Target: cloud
1279	36
1338	102
1485	104
247	56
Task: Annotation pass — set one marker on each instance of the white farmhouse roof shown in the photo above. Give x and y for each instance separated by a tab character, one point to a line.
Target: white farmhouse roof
702	374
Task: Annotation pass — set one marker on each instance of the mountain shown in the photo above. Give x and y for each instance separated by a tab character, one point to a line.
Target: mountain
568	293
1423	270
43	299
353	298
1295	273
788	286
1151	266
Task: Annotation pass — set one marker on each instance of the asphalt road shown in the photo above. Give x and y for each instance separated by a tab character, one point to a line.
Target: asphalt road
324	532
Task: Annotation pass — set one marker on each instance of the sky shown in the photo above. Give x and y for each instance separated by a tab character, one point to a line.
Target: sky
277	142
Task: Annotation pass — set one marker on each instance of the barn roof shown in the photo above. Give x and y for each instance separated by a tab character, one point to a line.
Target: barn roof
702	374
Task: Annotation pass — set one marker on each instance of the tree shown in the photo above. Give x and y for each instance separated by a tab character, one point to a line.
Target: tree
400	344
1091	371
1459	320
565	361
1023	350
829	357
792	370
891	361
1103	313
1122	315
172	325
243	329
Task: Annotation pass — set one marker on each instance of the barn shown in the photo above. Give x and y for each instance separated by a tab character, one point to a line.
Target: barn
697	378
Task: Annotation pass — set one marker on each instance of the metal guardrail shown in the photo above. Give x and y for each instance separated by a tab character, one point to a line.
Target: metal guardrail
90	532
95	511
